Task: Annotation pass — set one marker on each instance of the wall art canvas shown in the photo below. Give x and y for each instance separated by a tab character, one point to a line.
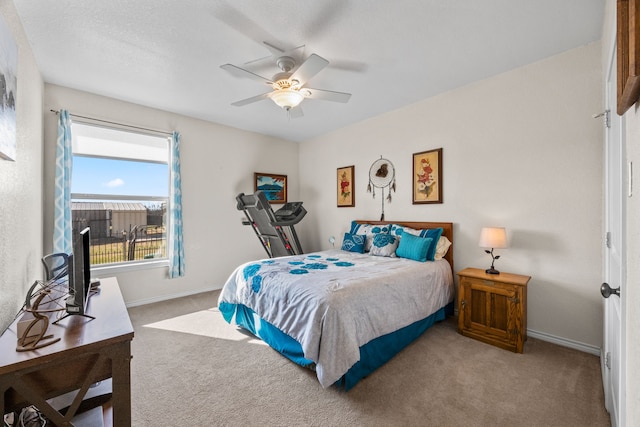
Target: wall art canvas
8	86
427	177
273	186
346	187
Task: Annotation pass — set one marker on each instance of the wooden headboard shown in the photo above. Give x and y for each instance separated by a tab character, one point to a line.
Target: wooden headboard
447	228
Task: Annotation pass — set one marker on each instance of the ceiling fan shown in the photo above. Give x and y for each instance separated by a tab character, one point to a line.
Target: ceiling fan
289	85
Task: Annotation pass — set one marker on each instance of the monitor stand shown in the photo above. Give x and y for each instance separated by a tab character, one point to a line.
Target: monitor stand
55	322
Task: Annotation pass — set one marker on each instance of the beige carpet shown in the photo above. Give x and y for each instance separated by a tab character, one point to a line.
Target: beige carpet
190	368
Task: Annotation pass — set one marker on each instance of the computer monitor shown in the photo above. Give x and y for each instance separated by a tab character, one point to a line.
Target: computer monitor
79	273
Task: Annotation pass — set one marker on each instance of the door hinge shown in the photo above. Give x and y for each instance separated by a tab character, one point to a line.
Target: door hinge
607	360
607	117
514	300
607	239
514	331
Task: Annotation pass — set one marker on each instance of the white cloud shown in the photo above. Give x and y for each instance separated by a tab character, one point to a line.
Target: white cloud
115	183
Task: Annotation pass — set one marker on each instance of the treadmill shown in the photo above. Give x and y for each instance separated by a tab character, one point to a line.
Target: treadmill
275	230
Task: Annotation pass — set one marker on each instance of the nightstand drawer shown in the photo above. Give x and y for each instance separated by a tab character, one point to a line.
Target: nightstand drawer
486	284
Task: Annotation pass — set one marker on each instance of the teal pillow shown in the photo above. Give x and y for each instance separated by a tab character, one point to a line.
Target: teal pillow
434	234
353	242
414	247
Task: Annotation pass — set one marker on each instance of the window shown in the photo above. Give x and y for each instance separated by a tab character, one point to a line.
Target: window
120	188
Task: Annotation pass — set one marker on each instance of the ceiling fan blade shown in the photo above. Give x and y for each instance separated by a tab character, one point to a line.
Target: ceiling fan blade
309	68
296	112
276	52
327	95
264	58
241	72
251	100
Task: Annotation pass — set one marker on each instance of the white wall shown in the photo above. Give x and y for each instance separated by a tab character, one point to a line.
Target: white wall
21	182
217	162
520	150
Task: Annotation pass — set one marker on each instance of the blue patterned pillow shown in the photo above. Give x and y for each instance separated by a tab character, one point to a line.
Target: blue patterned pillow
433	233
414	247
369	230
353	243
384	245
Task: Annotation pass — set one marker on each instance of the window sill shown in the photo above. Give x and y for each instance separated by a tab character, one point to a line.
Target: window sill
114	269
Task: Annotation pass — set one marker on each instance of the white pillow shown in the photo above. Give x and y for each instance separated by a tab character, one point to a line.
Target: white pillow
442	248
369	230
384	245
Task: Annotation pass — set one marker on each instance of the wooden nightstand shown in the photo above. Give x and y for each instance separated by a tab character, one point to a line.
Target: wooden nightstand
493	307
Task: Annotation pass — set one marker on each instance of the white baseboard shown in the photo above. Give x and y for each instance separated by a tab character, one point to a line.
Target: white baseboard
565	342
168	297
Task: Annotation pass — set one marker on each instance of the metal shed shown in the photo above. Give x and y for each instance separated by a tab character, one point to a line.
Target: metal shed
124	216
108	219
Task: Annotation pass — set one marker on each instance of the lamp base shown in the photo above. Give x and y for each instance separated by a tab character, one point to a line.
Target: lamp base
491	271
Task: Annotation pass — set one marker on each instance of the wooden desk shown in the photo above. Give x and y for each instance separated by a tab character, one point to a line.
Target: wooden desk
89	351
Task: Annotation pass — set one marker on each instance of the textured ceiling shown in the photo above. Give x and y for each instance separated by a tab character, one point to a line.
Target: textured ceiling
167	54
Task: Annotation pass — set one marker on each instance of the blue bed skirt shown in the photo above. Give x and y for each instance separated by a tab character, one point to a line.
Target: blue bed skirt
373	354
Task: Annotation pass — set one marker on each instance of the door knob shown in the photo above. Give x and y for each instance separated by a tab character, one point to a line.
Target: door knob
606	290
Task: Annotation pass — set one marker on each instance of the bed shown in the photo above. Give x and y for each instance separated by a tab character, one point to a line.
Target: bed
345	313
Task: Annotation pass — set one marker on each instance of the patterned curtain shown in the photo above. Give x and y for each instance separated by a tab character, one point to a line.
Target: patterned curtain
176	248
62	201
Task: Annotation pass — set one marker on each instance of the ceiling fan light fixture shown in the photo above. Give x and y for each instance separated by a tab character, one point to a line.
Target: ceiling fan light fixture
287	98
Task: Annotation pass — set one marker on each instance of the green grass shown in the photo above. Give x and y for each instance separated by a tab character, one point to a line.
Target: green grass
117	252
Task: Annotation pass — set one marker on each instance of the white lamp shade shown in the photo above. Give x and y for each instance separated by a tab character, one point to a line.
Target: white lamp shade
287	98
493	237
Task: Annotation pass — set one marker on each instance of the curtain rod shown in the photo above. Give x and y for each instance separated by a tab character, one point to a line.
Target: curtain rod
163	132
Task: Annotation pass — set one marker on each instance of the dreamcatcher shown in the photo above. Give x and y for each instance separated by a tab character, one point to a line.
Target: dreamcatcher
382	174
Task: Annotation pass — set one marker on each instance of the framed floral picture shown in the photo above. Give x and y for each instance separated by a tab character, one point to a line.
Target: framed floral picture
427	177
346	188
628	54
273	186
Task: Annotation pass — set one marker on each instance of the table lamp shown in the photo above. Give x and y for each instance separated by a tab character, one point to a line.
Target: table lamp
494	238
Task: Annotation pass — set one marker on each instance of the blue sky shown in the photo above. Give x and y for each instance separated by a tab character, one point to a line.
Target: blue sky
92	175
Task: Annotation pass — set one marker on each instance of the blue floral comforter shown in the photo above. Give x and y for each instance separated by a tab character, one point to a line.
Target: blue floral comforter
333	302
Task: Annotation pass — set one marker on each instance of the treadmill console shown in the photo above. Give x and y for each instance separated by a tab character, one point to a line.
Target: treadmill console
290	209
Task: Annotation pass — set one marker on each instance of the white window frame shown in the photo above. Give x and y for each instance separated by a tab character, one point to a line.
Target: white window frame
113	268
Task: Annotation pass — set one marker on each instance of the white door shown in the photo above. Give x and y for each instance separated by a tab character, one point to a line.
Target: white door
612	358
